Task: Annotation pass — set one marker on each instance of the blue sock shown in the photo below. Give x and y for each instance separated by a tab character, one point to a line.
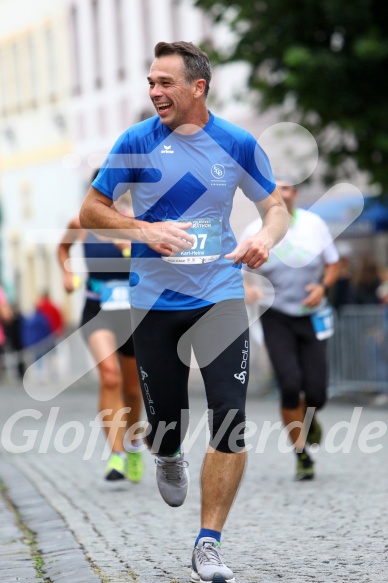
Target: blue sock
207	532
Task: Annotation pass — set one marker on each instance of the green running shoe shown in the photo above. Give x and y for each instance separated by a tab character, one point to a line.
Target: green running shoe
304	467
135	466
115	470
314	434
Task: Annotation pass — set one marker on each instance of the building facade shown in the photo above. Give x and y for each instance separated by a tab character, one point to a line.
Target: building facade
34	137
73	77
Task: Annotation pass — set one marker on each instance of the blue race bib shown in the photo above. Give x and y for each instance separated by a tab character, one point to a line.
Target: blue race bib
114	295
323	323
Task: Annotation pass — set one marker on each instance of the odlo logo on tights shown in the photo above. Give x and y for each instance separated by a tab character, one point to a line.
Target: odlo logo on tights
241	376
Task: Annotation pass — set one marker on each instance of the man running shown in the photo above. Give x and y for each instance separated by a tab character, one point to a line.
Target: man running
183	167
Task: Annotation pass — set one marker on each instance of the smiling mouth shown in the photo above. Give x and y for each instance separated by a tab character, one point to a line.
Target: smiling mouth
162	106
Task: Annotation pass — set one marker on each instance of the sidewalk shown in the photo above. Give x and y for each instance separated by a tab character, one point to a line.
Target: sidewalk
64	523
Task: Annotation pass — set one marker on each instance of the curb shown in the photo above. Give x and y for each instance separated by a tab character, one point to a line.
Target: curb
40	546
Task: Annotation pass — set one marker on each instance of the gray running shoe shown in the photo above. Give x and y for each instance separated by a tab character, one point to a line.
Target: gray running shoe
172	477
207	564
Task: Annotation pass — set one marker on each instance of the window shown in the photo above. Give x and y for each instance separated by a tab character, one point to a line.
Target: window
175	20
80	126
33	76
96	43
101	121
146	14
29	278
51	60
3	83
25	190
123	114
120	45
17	75
75	56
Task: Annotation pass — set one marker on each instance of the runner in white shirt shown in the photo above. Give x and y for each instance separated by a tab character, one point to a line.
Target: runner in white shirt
296	325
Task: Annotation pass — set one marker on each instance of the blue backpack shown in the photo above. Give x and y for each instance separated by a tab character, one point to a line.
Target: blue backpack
34	329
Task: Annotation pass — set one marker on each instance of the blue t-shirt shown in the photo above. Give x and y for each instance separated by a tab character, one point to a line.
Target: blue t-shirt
194	177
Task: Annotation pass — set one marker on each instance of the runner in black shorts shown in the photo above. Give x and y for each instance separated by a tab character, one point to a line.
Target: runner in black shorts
115	321
106	327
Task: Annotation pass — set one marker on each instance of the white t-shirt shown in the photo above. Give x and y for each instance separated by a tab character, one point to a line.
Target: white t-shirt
298	260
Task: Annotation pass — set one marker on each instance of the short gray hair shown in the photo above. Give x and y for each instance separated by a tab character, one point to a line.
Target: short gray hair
196	62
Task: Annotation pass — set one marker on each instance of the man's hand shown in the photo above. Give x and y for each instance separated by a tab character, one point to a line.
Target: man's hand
316	291
168	237
253	251
68	281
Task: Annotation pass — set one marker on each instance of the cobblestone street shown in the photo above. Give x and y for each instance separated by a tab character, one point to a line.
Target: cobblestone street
62	522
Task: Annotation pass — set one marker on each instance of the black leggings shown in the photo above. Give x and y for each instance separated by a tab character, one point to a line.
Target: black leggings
299	359
219	337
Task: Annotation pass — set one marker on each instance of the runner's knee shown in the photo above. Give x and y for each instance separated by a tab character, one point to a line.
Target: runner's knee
110	377
290	399
227	428
317	401
165	438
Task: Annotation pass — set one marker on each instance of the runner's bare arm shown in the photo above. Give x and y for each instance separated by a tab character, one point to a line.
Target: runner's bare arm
99	214
254	251
73	233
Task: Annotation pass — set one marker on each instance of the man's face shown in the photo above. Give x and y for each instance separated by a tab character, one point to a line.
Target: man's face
172	96
287	192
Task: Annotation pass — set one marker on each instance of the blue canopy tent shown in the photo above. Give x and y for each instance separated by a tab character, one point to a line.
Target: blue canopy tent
372	219
375	212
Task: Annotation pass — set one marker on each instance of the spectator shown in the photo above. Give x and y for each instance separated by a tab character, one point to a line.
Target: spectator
341	292
5	319
382	290
13	332
366	282
52	314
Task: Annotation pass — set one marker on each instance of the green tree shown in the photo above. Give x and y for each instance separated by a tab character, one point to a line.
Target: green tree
331	58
